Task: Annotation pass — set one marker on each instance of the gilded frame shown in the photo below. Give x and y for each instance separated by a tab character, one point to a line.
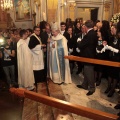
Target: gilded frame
22	10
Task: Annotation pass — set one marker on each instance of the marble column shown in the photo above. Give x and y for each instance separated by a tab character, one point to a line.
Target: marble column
62	10
43	10
108	7
58	13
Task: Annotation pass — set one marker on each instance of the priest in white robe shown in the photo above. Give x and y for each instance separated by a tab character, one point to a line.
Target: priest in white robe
59	70
25	60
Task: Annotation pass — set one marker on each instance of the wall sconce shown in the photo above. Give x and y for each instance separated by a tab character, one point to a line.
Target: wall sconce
72	4
72	1
63	4
37	2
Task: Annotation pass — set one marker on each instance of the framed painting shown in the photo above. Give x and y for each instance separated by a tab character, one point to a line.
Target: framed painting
22	10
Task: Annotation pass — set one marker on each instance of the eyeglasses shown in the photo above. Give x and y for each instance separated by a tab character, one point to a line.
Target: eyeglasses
37	30
48	29
63	26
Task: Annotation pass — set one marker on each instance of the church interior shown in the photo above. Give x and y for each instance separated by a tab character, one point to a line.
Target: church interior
51	101
58	10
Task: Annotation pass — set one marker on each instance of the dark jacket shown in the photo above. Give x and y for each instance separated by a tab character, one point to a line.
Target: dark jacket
44	38
70	41
88	44
33	42
77	31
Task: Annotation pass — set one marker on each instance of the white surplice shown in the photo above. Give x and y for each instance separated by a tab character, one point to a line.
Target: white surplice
37	52
25	65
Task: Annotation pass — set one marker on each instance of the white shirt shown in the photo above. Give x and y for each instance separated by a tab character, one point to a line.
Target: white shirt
49	35
62	32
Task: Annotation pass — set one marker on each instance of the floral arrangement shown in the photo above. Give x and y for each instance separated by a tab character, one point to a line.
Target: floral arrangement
115	18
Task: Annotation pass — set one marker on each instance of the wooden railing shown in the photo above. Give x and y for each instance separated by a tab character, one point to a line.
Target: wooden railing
66	106
93	61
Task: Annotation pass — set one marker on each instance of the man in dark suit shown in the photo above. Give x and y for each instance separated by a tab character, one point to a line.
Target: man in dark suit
44	38
87	48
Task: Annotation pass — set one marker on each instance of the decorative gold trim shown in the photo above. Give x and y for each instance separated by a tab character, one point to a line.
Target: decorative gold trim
38	2
28	14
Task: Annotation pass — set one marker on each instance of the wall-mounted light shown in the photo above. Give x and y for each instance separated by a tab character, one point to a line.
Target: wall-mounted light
37	2
63	4
71	1
72	4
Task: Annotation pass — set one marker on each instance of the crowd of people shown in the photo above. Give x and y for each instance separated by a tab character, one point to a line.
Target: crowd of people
31	56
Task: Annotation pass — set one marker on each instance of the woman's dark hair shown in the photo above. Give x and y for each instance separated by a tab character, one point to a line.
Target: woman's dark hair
68	20
105	25
69	27
47	24
22	32
42	24
77	23
30	30
77	20
118	27
105	30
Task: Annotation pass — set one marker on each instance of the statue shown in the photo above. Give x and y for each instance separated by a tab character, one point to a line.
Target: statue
10	23
37	2
33	18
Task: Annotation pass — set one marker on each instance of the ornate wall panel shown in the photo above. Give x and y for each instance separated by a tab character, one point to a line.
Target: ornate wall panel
3	19
116	6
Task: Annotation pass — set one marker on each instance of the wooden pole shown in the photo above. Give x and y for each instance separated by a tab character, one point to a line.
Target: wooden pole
66	106
93	61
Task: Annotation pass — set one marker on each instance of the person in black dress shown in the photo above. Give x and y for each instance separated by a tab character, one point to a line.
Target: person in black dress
99	69
71	45
77	29
114	55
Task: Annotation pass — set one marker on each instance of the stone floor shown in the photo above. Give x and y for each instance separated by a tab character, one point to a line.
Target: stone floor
98	100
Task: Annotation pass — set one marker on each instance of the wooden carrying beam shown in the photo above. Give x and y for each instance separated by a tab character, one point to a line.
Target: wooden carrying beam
66	106
93	61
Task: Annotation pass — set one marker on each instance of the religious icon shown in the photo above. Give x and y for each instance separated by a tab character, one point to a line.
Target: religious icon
22	10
